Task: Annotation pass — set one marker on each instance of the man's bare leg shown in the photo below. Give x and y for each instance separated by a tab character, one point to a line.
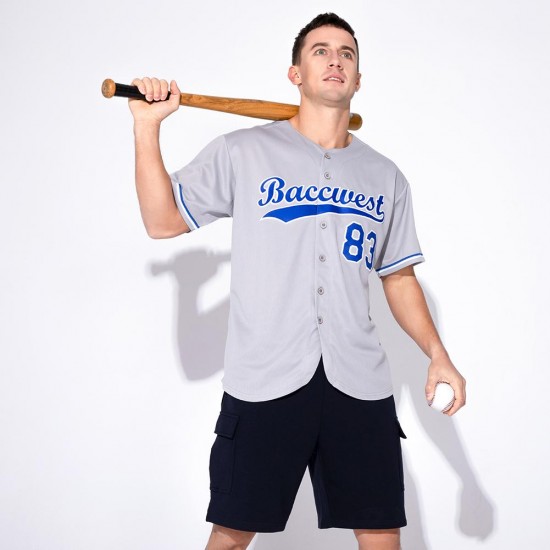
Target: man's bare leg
378	539
223	538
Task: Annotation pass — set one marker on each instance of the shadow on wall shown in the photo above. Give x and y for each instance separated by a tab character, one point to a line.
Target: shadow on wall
200	337
475	512
201	342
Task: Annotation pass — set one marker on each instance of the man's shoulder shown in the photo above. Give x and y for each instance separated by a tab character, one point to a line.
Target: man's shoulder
371	155
254	133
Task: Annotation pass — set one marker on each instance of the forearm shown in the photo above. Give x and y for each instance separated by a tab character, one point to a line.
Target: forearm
409	308
154	189
408	305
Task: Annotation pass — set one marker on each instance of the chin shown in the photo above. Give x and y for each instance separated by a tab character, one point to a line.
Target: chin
337	100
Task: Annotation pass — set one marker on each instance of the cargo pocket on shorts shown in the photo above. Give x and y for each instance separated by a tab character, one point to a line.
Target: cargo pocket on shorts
222	455
402	435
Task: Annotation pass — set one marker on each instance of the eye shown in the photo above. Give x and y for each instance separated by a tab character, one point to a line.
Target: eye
347	55
320	51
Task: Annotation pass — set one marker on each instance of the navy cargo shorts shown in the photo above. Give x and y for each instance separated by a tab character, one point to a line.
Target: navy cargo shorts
352	448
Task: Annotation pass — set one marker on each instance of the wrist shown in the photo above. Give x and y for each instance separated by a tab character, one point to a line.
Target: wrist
146	126
438	352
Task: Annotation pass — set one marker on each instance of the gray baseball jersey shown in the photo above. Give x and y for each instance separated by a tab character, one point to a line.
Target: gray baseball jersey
309	226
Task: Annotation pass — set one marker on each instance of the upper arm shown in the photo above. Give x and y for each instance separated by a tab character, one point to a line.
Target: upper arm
397	276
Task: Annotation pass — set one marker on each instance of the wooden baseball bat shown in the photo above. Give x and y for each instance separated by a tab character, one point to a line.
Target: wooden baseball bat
256	108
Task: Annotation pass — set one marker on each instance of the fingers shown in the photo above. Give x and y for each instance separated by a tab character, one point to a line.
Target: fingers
449	374
430	390
152	88
459	387
174	92
154	109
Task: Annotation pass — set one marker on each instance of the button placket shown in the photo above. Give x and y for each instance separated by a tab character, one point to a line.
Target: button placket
322	235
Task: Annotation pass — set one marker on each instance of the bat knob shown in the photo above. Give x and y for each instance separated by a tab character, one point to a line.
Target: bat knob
355	121
108	88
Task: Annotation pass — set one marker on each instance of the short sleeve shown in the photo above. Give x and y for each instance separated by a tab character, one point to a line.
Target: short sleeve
205	188
401	247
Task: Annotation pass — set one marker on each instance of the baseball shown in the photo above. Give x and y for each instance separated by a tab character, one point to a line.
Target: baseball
444	397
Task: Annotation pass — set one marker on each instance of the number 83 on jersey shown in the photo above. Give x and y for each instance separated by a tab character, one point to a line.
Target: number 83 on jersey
357	246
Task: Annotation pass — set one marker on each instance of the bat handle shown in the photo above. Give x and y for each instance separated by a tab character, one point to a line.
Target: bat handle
110	88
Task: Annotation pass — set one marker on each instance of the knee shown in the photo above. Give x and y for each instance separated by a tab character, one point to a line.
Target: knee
224	538
378	539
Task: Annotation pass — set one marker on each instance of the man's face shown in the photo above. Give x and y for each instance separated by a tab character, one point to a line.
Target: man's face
327	73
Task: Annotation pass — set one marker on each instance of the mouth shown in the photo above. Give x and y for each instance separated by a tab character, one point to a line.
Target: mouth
334	78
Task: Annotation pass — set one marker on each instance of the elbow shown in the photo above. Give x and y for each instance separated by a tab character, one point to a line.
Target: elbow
156	234
155	231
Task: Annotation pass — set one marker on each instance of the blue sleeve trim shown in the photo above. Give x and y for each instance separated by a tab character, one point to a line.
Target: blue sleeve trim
180	189
399	262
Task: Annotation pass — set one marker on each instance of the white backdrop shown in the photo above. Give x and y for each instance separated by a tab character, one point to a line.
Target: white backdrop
111	343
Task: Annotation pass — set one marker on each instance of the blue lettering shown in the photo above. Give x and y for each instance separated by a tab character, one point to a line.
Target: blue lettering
274	193
370	204
339	195
310	190
379	204
343	199
294	194
322	194
359	200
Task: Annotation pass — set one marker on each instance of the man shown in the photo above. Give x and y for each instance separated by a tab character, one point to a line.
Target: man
306	382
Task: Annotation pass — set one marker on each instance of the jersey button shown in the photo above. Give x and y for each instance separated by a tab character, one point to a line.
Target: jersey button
320	320
321	290
322	257
327	156
323	225
327	175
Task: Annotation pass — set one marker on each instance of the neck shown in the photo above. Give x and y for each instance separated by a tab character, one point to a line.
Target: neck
328	127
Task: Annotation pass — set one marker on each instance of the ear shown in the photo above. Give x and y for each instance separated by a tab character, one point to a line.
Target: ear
358	82
294	75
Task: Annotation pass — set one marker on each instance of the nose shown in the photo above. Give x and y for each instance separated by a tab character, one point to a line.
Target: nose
334	60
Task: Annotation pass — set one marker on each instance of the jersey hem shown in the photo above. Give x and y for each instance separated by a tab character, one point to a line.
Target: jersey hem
254	398
354	393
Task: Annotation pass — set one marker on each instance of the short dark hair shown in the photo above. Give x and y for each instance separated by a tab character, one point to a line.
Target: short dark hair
322	20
